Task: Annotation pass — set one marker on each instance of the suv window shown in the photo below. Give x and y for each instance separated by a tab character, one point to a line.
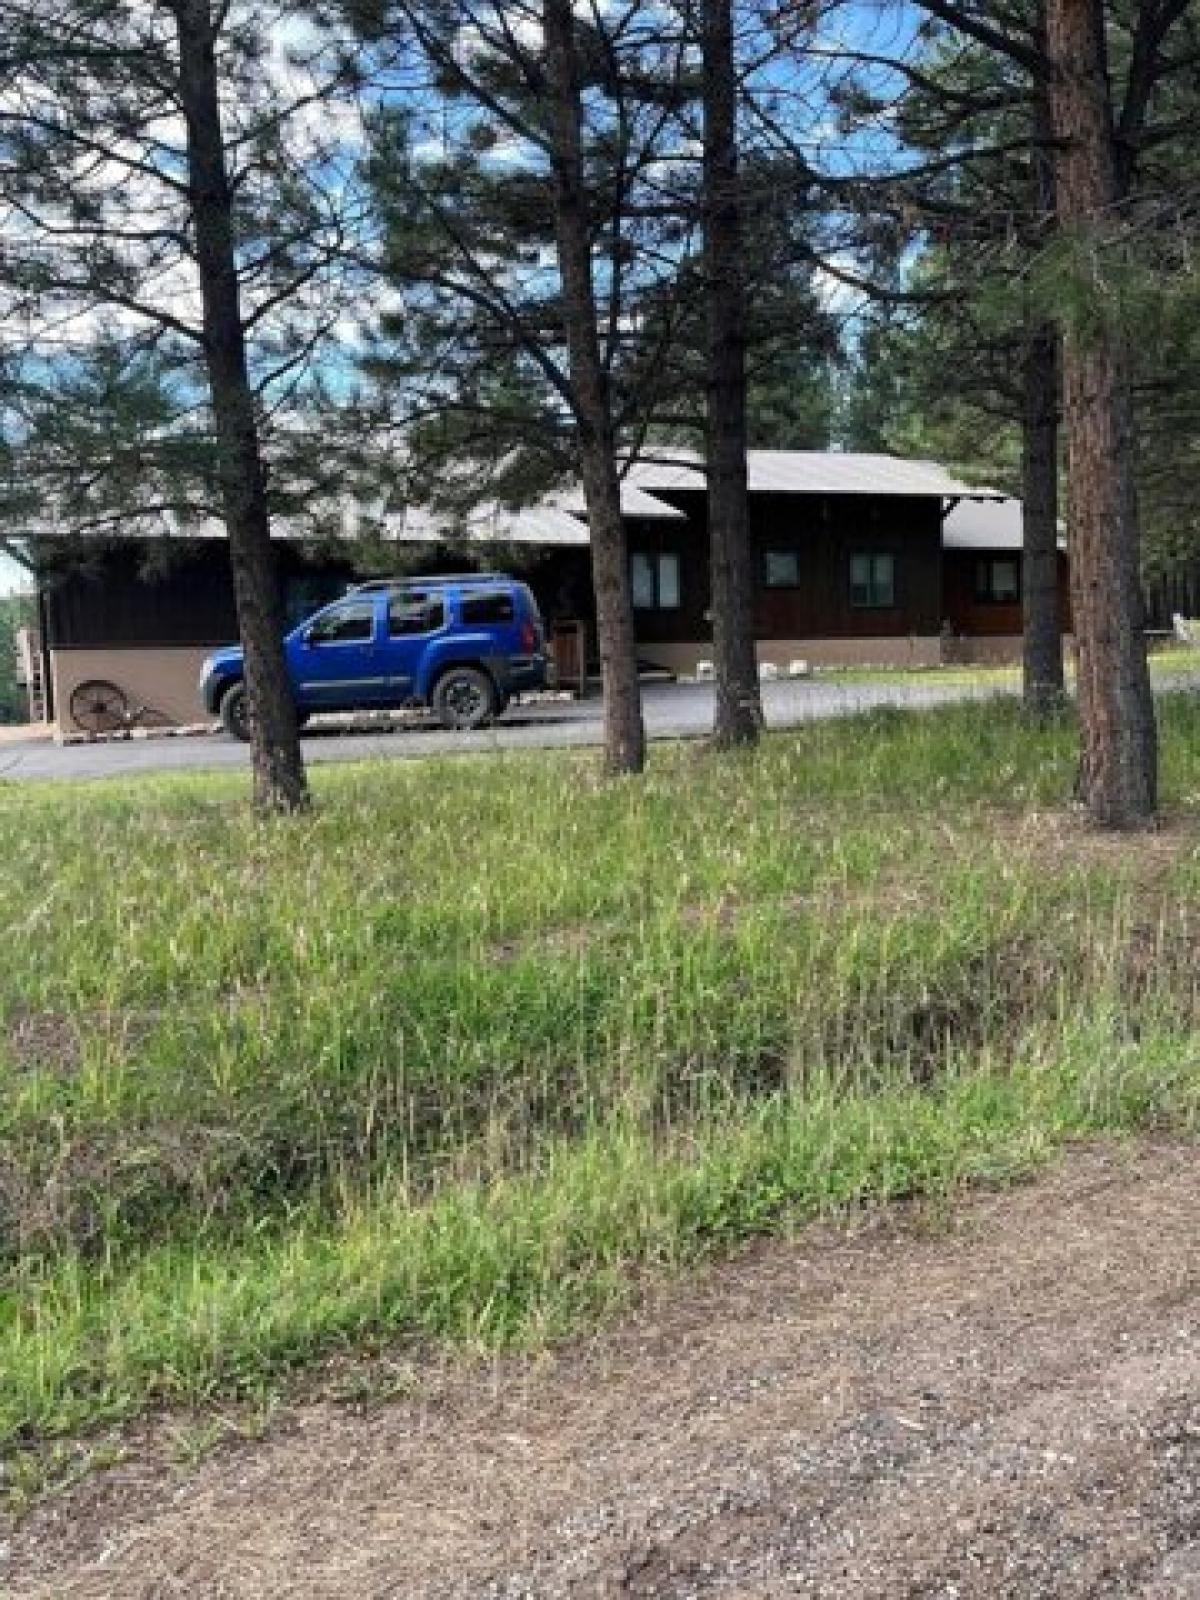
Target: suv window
348	624
415	613
483	608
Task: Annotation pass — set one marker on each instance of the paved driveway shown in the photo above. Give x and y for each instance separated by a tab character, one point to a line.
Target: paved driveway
673	711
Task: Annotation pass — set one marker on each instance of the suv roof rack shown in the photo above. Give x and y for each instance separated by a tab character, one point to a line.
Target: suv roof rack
433	577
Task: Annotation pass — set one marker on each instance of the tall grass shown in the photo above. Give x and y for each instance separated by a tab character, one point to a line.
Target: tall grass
450	1058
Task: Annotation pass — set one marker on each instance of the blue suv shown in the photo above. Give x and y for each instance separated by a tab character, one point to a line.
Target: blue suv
462	645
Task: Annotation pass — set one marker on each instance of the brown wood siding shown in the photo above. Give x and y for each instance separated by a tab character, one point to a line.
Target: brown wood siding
825	531
974	618
689	541
141	594
132	594
137	594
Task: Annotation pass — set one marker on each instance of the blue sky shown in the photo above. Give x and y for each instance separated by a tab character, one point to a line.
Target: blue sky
12	576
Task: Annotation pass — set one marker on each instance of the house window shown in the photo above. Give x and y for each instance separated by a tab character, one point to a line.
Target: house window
349	624
872	580
415	613
781	569
655	580
997	580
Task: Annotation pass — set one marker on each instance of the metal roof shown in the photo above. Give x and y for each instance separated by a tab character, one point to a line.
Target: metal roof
544	524
813	472
557	519
635	502
986	525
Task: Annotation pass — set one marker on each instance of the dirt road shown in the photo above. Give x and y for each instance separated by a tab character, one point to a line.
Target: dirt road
998	1400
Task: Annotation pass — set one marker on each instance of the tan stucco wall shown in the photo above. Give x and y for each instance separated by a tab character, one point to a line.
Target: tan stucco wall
917	651
163	678
984	650
991	650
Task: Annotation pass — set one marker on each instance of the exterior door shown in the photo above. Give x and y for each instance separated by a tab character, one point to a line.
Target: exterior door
336	661
411	618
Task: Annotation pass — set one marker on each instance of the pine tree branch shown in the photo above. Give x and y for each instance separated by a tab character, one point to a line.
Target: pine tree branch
90	294
967	21
485	293
75	136
1145	70
447	61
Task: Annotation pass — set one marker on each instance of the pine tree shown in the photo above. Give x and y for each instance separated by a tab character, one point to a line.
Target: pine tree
537	262
160	207
573	227
739	712
279	778
980	348
1119	768
1095	144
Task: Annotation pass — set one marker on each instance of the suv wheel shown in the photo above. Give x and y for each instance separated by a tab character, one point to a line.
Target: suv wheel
465	698
235	712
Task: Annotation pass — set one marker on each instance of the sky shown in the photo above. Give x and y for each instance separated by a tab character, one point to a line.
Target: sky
12	577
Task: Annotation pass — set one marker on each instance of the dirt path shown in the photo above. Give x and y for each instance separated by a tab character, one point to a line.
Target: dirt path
1002	1404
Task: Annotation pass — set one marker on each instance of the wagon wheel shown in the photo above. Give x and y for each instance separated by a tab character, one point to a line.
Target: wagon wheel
98	706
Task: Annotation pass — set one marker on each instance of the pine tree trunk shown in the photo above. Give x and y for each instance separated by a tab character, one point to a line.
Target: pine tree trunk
1044	685
1119	762
624	733
1043	678
279	779
738	698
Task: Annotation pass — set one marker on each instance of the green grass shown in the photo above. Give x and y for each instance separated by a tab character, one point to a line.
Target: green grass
459	1056
1169	660
947	677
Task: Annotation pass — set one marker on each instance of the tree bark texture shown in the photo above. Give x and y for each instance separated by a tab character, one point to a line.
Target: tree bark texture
739	715
624	731
1043	679
280	783
1119	758
1044	684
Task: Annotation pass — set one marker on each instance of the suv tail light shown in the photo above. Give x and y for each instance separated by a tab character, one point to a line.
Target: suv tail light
529	639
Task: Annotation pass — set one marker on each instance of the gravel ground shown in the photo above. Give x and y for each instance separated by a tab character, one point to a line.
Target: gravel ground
998	1398
672	711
